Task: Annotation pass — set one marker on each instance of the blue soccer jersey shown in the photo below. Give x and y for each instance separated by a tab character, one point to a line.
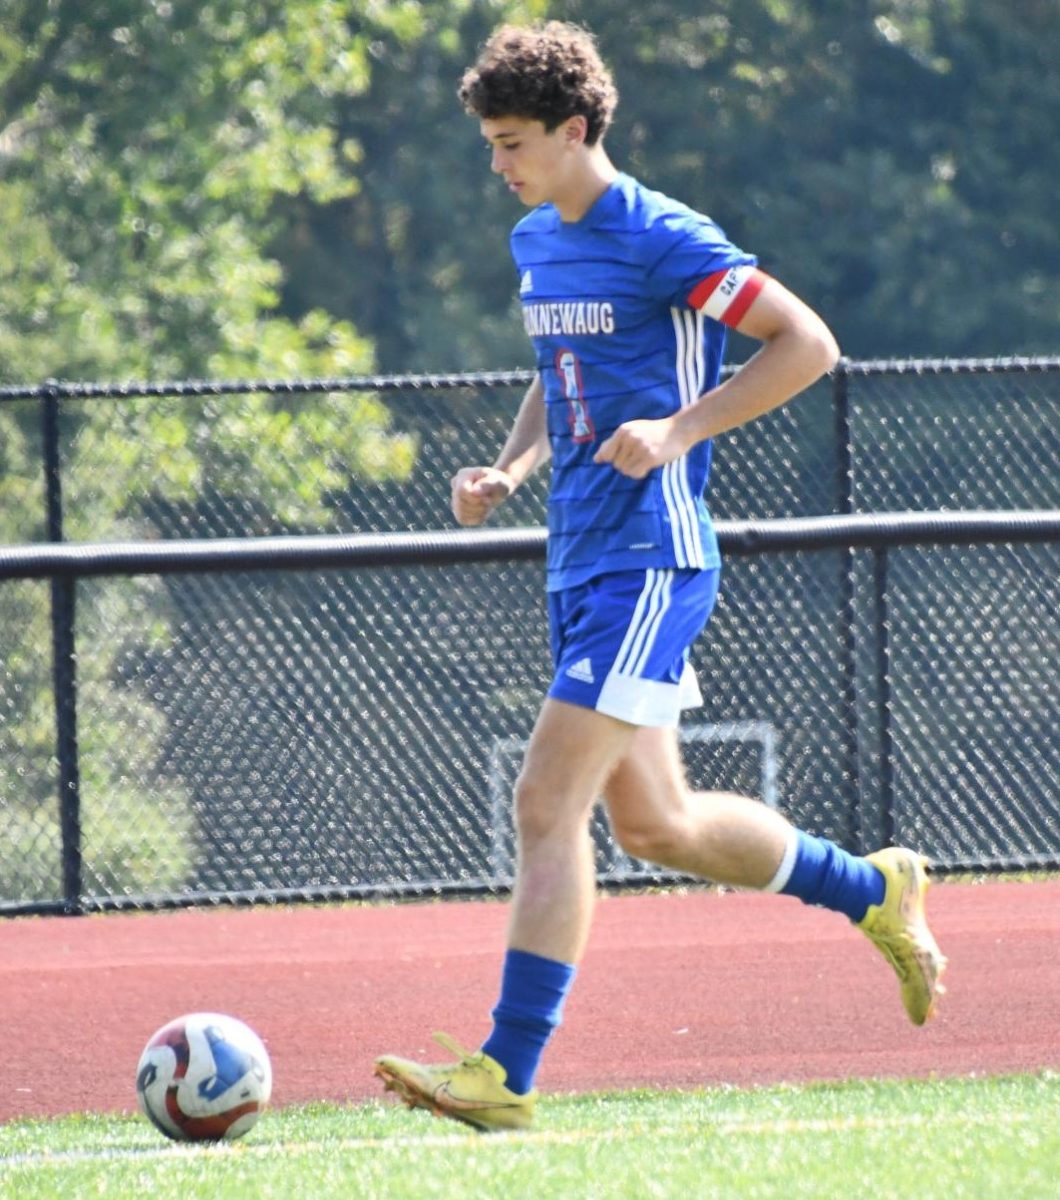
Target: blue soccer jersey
626	310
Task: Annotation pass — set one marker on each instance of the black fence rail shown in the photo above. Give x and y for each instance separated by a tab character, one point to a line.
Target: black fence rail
263	670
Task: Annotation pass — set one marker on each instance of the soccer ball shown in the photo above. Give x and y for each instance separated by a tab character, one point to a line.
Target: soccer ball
204	1077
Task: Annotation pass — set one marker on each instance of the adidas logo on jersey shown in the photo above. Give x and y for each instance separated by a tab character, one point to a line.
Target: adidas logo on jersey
582	671
526	284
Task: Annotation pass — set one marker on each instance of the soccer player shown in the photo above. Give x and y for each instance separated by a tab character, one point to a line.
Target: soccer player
626	296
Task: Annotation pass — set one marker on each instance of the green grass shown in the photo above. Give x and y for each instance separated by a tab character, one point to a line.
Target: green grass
977	1138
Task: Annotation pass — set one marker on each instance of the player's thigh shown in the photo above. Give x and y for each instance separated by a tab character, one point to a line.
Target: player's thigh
572	752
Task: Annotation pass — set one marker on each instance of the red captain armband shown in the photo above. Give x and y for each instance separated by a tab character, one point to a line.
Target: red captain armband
727	295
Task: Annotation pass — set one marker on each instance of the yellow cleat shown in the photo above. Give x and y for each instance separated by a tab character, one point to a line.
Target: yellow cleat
898	929
471	1090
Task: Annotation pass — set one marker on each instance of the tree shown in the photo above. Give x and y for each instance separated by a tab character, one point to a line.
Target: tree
142	149
891	160
143	157
143	153
416	255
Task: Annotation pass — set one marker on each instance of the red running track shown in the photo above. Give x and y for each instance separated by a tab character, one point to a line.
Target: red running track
676	990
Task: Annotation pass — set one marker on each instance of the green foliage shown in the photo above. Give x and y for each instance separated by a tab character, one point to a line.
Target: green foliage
143	155
143	151
151	853
893	162
27	723
143	159
135	839
180	185
419	253
888	161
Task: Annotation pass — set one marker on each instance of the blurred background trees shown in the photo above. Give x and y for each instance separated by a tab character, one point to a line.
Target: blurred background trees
891	161
289	187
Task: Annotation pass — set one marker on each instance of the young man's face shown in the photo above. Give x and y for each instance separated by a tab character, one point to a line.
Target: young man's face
536	164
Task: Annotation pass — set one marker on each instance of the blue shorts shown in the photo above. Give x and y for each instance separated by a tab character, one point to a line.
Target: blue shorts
620	642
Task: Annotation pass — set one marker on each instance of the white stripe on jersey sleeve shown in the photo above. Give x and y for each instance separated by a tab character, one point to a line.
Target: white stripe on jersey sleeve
680	504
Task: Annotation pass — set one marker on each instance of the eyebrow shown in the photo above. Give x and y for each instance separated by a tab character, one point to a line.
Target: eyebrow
503	133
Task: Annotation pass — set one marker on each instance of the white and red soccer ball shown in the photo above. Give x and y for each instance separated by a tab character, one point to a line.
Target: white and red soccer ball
204	1077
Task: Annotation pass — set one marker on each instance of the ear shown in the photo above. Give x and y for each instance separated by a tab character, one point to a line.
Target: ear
574	130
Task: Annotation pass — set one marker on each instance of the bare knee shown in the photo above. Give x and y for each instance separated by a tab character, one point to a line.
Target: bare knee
541	813
657	837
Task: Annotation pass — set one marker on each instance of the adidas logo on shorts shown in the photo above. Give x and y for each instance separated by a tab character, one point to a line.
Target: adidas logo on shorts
582	671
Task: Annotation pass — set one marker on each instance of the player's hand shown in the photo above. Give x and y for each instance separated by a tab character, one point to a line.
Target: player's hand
638	447
477	491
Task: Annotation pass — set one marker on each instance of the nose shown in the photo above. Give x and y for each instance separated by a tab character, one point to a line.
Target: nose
499	161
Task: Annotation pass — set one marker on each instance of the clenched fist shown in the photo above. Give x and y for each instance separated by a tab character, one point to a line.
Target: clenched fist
477	491
638	447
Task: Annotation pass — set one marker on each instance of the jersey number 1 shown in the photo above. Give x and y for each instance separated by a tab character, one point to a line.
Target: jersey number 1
569	371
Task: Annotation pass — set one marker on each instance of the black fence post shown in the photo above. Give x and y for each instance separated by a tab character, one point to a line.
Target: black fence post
64	663
844	447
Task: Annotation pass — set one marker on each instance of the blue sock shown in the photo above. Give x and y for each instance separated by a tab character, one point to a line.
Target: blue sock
824	874
529	1009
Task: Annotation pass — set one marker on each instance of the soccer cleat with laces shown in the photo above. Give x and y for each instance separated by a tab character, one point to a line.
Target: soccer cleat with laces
470	1090
898	929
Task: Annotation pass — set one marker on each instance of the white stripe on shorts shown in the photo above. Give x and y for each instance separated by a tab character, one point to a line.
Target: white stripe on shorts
650	632
643	600
643	629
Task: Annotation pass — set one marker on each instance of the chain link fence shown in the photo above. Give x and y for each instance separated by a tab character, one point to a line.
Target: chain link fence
241	735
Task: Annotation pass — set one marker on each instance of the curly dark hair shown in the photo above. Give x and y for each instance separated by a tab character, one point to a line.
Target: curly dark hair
544	73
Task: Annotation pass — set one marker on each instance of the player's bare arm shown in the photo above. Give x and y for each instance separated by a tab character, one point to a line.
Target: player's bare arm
476	491
797	349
